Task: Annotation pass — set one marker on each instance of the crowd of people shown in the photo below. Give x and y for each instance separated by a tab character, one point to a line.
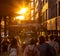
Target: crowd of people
36	47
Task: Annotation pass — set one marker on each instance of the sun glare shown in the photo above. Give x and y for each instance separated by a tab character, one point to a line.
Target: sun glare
20	17
22	11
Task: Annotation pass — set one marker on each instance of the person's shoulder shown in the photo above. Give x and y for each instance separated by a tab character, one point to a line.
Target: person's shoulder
28	46
42	45
56	42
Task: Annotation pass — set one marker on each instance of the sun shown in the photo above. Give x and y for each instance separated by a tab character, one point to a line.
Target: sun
22	11
20	17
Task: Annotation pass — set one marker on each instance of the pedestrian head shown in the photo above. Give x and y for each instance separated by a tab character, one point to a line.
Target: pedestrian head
41	39
32	41
52	37
14	43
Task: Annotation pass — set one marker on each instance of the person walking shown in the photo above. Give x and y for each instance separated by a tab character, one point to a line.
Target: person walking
54	43
14	48
44	48
31	49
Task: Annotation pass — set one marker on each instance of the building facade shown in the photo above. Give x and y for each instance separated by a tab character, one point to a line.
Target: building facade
34	10
50	16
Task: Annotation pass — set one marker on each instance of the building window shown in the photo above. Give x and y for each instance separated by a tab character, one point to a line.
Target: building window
32	4
43	17
31	0
56	9
43	2
53	10
59	9
46	0
46	15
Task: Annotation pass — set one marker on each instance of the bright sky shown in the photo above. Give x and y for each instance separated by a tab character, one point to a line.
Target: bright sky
20	17
22	11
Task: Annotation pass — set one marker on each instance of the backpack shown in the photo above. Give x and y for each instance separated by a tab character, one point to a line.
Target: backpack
13	52
31	52
46	50
50	51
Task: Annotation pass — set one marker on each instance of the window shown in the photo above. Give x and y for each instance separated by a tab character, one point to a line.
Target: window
59	9
43	2
32	4
56	9
46	14
46	0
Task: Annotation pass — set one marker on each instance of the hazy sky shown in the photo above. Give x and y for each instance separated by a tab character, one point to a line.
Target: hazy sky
9	2
9	5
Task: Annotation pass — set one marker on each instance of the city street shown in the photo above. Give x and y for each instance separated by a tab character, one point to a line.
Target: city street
24	22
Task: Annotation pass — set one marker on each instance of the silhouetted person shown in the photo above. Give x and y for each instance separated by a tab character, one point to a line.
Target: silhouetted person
31	49
54	43
13	51
44	48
